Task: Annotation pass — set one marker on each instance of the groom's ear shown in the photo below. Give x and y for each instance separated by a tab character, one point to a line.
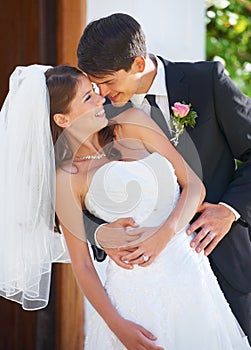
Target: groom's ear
139	64
61	120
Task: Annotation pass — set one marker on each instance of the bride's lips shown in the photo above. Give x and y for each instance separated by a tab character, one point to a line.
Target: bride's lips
100	114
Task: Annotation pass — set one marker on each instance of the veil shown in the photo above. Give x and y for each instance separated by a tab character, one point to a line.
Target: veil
28	243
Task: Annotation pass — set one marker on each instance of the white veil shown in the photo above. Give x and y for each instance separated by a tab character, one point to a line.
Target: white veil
28	244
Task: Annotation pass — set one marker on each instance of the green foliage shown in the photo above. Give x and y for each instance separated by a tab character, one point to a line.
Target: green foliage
229	38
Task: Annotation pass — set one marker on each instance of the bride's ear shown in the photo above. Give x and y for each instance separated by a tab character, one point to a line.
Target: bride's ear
61	120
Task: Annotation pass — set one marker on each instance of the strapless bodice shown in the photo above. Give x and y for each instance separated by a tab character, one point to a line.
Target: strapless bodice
145	189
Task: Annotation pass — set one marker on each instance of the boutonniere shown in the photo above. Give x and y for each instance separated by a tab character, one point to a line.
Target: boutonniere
183	115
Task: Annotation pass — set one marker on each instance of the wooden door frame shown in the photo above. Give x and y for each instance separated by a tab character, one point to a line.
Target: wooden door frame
71	19
44	32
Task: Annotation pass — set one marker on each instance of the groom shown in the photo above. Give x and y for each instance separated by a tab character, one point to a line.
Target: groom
112	51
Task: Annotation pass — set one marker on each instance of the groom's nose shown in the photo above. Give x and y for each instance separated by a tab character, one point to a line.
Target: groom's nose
104	89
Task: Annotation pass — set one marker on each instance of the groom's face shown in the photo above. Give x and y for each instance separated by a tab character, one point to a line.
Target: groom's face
119	86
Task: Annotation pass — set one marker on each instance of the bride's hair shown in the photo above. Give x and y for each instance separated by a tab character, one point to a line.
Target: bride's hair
62	84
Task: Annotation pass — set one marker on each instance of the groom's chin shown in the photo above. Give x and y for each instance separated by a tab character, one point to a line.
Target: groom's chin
119	104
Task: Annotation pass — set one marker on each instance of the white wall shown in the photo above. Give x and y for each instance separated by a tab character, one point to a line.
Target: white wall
174	29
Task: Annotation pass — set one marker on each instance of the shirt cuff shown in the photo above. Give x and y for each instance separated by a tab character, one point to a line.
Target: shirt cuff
235	212
95	237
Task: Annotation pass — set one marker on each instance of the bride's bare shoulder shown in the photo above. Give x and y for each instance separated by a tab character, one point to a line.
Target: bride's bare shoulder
132	116
72	176
135	121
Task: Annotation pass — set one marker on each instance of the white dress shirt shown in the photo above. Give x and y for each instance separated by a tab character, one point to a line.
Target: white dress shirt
158	89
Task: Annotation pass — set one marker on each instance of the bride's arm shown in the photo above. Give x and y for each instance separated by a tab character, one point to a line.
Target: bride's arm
69	212
136	124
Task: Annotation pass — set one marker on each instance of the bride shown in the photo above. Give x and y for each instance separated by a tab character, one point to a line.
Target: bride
126	169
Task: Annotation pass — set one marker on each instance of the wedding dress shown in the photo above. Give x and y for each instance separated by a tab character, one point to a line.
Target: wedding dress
177	297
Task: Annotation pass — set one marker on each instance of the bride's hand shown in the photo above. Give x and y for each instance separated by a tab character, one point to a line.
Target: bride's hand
122	233
135	337
145	252
134	239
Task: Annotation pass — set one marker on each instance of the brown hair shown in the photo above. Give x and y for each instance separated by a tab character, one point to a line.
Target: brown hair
62	85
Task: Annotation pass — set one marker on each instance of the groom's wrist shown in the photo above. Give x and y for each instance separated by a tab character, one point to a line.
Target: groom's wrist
235	212
96	238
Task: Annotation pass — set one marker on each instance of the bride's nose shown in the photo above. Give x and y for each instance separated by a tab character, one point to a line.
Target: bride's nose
100	100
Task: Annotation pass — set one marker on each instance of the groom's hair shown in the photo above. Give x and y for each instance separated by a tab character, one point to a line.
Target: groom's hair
109	44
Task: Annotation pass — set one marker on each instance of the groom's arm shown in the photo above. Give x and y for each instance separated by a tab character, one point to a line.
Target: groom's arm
92	223
111	235
235	121
233	110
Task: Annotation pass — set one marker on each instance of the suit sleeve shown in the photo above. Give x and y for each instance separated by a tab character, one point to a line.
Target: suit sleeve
91	223
233	110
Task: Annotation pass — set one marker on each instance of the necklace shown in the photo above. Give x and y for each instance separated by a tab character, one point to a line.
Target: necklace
97	156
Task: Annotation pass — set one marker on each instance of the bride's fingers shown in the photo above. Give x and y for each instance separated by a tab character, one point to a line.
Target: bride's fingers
152	337
135	257
148	262
117	259
147	333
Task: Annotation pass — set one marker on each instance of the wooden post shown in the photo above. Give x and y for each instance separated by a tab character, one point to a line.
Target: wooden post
69	315
71	22
69	299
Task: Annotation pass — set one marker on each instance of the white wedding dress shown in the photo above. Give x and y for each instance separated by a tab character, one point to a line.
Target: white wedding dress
177	297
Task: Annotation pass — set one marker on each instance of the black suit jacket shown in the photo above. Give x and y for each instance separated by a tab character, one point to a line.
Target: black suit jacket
221	135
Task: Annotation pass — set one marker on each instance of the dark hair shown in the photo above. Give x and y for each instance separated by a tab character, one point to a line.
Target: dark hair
110	44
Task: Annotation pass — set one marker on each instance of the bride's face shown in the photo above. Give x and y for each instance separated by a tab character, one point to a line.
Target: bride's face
86	110
86	114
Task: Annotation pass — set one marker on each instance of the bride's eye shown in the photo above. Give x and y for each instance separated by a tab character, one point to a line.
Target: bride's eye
87	97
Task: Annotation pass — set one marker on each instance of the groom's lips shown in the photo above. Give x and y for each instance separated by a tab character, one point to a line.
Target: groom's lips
114	98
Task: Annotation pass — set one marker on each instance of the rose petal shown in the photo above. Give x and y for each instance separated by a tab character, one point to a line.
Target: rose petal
180	109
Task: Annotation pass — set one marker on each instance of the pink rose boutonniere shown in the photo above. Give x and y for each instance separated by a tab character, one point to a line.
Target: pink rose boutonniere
183	115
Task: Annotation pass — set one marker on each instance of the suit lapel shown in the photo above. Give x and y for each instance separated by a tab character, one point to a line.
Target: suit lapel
177	90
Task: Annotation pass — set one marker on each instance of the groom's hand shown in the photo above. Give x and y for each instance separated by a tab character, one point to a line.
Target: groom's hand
121	238
114	235
212	225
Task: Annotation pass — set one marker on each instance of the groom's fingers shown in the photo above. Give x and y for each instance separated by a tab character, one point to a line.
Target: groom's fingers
129	221
213	224
208	250
116	234
136	236
116	256
202	235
